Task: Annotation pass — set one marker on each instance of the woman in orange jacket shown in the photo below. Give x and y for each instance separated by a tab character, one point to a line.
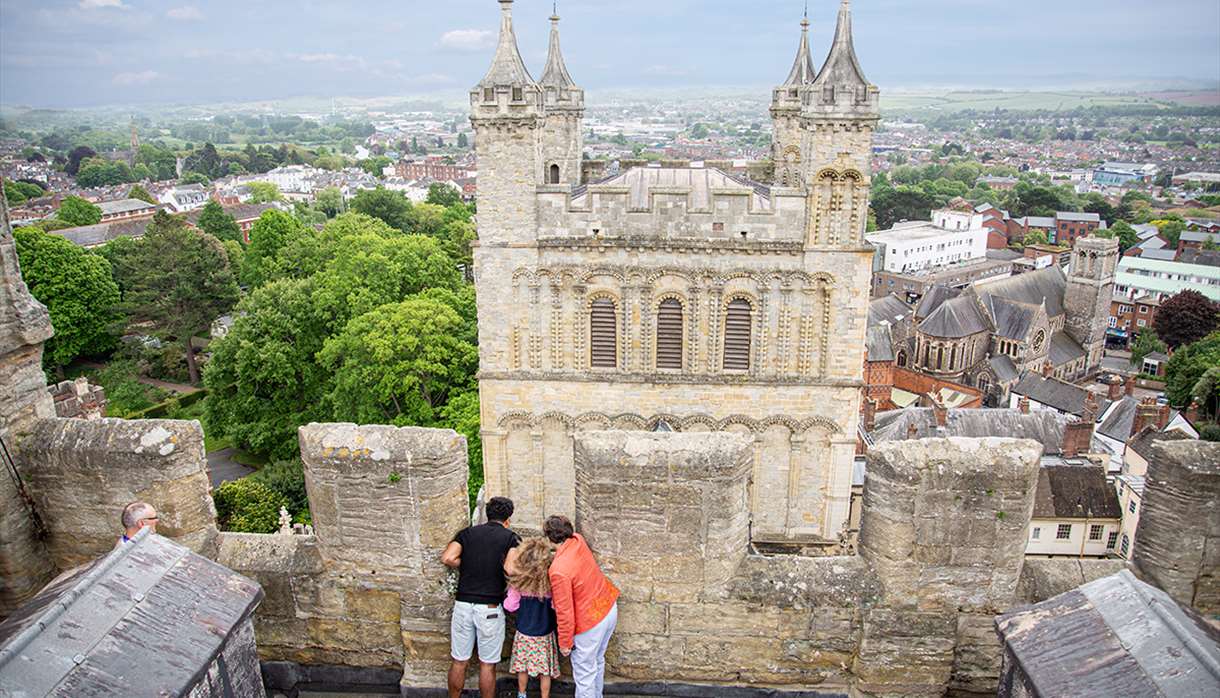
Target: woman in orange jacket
586	606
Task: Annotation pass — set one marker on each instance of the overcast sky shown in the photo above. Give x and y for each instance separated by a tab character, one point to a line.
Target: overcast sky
70	53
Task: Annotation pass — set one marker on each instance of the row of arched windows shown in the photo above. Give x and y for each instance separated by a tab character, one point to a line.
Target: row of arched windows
670	335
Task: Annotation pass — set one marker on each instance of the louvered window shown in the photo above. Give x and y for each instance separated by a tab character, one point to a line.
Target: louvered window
669	334
737	335
603	334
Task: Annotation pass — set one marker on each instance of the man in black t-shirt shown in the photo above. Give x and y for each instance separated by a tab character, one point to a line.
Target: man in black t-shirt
478	554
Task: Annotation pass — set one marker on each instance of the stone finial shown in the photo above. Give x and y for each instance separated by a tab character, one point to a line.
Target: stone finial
840	86
285	522
802	72
555	74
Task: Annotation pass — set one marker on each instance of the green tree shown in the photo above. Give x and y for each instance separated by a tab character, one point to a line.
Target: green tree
214	221
195	178
330	201
77	211
1035	237
1171	230
443	195
1185	318
389	206
272	230
1145	344
399	364
287	477
375	165
461	414
14	195
1126	235
139	192
264	380
1207	392
248	506
180	281
264	192
77	289
1187	366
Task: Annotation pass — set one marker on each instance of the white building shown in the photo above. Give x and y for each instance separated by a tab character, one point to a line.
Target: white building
1076	511
951	236
1141	276
186	197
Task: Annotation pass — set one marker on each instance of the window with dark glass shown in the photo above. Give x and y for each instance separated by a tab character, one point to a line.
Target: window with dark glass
737	335
603	334
669	334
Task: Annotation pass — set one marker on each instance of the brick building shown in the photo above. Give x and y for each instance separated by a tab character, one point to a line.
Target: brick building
431	167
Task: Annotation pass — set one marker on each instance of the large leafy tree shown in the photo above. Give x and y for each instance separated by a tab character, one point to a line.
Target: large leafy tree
215	222
180	281
264	380
271	232
1187	366
77	289
1122	230
400	363
390	206
1187	317
77	211
330	201
264	192
139	192
443	194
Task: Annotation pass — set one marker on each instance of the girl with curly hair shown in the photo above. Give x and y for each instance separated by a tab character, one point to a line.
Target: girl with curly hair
535	651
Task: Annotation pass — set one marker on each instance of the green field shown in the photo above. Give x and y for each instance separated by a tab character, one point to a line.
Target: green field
925	101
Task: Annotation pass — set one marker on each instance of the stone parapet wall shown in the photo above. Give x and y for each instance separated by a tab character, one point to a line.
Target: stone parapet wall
1177	545
78	399
82	473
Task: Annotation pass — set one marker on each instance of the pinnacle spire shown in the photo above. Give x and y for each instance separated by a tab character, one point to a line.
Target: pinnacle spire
841	64
802	72
507	68
555	74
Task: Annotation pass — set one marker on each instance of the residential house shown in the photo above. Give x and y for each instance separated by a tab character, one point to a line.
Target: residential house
1140	276
1069	226
1076	510
1130	318
123	209
1198	240
185	197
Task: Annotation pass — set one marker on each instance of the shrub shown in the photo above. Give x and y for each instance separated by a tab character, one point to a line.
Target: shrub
248	506
287	477
1209	432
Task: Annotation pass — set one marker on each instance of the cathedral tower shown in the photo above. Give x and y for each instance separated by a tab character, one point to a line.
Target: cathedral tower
786	103
564	103
507	113
1086	299
838	122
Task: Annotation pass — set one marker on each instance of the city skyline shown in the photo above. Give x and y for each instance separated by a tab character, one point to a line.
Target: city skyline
80	53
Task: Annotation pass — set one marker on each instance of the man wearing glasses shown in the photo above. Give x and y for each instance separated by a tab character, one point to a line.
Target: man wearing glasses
137	515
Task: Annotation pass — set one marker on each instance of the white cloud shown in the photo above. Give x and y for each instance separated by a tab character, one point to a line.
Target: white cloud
186	13
141	78
467	39
94	4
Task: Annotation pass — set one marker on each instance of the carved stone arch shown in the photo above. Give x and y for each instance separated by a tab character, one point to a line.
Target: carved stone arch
659	297
566	420
828	174
738	420
801	276
587	275
853	175
694	421
819	423
600	293
629	422
732	294
674	421
793	425
792	154
593	421
509	419
824	278
524	273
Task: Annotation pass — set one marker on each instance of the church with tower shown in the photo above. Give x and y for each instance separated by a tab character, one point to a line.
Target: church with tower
674	298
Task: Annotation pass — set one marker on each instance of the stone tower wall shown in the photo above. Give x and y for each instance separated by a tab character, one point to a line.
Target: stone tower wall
510	170
788	148
1177	546
1086	299
563	144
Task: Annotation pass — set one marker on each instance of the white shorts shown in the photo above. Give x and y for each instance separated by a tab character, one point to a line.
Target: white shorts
476	622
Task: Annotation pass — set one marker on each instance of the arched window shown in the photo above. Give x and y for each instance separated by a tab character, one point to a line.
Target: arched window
603	334
553	175
737	335
902	359
669	334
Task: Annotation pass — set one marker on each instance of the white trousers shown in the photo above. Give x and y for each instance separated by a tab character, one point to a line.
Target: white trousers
589	656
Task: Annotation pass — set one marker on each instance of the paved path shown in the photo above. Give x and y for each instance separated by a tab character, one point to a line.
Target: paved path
222	468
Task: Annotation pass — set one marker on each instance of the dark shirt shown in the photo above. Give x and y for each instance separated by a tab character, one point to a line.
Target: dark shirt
481	575
535	617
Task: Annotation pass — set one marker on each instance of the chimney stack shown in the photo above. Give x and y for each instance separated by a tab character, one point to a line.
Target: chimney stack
1023	405
1129	386
1078	435
869	414
912	431
940	412
1147	413
1047	369
1192	412
1115	388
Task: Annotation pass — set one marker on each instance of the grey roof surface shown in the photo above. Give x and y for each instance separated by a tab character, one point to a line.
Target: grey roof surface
1052	392
101	233
699	180
933	298
1039	222
143	620
1209	258
1031	287
879	343
1073	216
1075	492
1165	255
1004	368
1043	426
1064	349
1152	243
1115	636
1117	420
1142	442
1198	236
1012	319
124	206
1143	231
1004	255
889	309
959	317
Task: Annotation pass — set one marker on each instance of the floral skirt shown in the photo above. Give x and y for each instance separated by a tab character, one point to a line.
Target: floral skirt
536	656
